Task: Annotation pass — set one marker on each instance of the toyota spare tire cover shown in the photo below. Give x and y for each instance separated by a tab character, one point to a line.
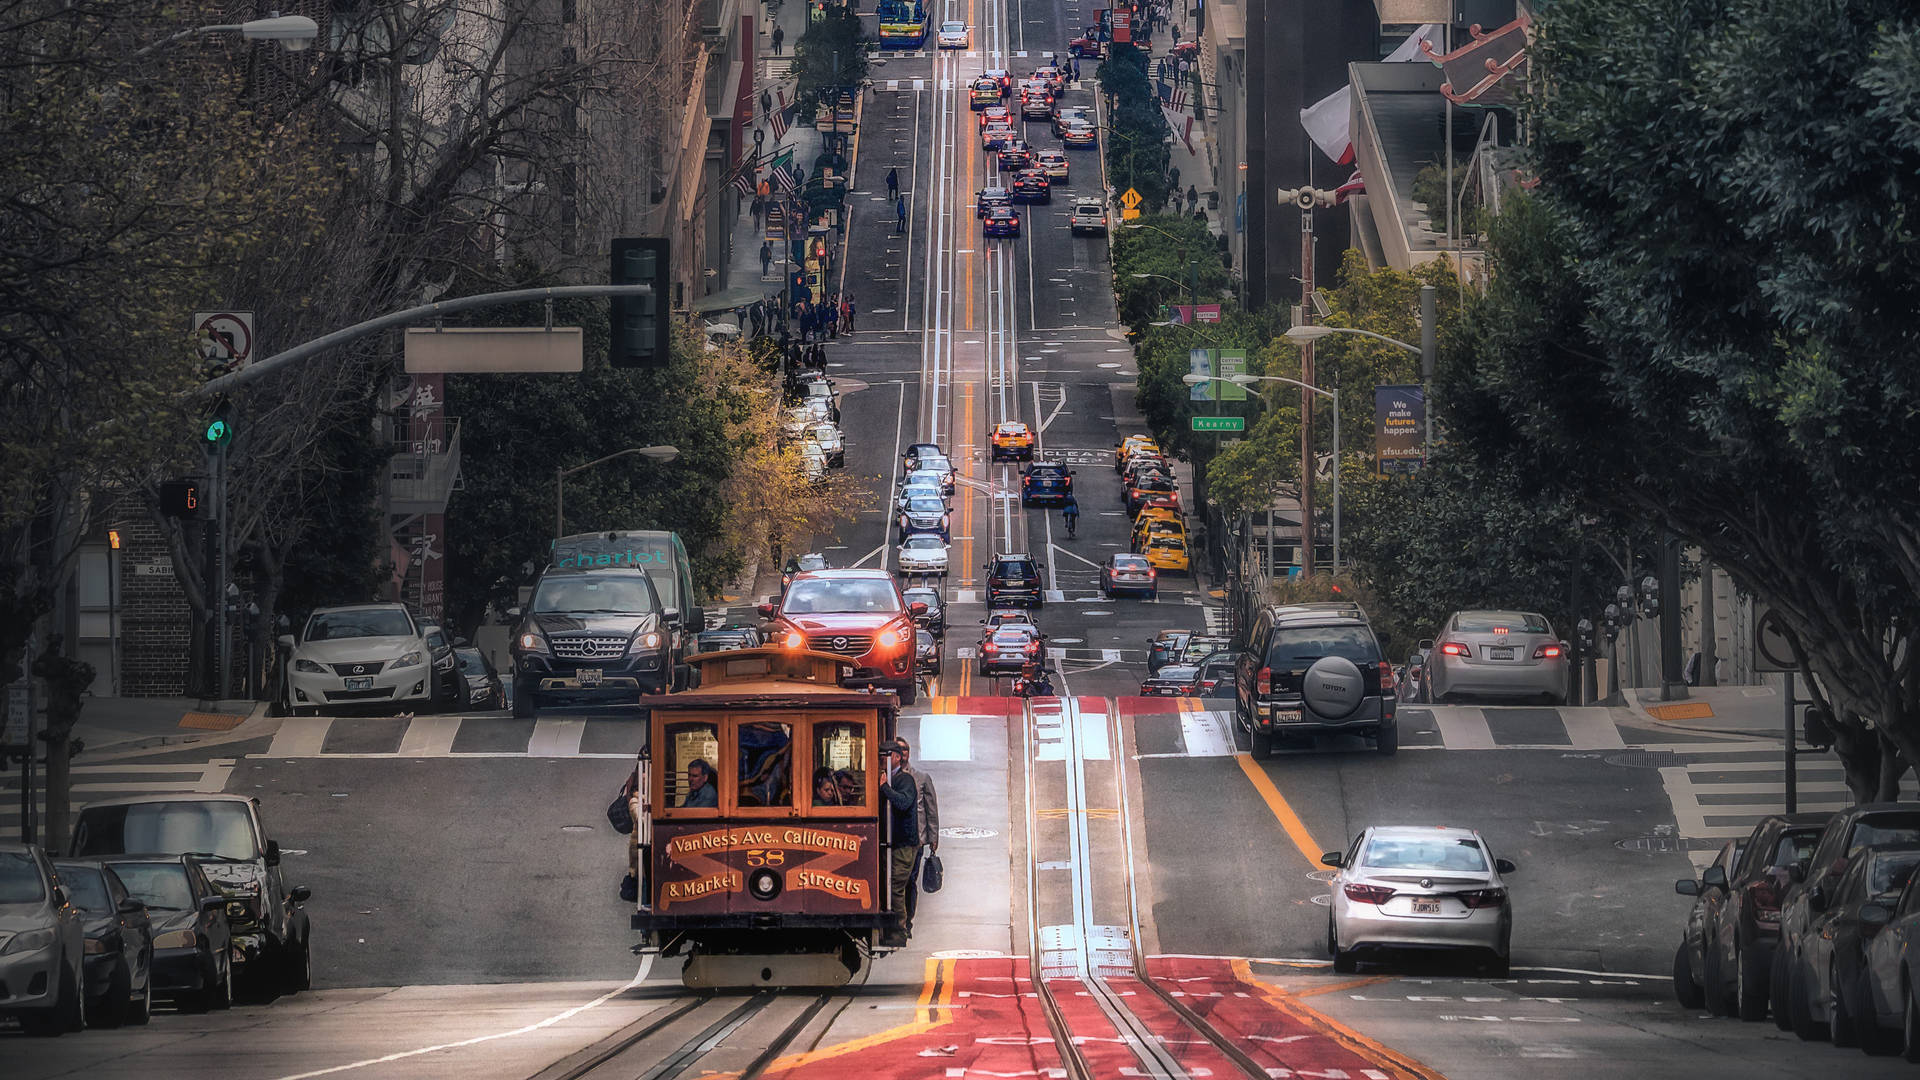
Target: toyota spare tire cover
1333	687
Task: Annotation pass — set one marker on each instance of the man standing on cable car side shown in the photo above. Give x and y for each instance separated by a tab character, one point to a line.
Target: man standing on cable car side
902	796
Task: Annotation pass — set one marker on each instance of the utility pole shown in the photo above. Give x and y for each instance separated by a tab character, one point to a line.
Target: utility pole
1429	348
1673	682
1306	396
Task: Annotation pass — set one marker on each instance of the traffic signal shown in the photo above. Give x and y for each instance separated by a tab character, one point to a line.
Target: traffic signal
219	428
180	498
641	333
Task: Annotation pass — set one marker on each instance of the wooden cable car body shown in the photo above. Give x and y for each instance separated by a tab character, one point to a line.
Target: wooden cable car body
775	873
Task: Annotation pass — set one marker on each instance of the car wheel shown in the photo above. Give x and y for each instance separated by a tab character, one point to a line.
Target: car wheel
1749	988
1840	1024
223	995
72	1015
524	707
296	971
1154	595
1387	742
1262	743
1343	962
1497	966
910	693
1685	990
114	1004
1777	989
140	1009
1800	1007
1909	1025
1710	981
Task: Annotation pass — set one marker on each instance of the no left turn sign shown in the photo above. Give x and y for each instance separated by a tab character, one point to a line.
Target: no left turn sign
225	339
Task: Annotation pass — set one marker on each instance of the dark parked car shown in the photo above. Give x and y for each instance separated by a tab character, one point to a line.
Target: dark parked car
1312	669
1009	649
926	653
1893	973
1693	955
42	945
192	941
119	943
1834	956
1735	970
1014	578
272	938
1847	832
934	619
480	684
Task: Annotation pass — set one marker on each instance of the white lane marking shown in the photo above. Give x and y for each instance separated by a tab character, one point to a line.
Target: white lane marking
429	736
1205	733
881	551
556	738
300	736
1462	728
1592	729
945	737
646	966
1091	731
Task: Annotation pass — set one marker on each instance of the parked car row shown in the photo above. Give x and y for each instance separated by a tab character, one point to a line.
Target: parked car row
176	898
1812	918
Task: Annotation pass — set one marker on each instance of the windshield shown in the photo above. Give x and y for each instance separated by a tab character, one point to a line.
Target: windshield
923	596
823	596
1014	571
928	543
86	887
1129	562
1011	639
1178	672
626	595
160	886
1296	648
1512	622
952	27
928	505
167	828
1886	829
359	623
20	881
1420	853
1889	872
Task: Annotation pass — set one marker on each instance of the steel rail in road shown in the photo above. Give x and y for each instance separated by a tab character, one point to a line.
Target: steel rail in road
632	1051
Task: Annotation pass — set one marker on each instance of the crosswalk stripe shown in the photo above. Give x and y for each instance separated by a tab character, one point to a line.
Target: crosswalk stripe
429	736
1462	728
300	736
556	738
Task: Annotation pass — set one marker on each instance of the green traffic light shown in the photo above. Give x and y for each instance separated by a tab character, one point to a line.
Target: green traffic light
217	430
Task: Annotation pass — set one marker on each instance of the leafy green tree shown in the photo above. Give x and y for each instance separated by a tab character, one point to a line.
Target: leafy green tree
1137	154
1182	258
831	55
1703	321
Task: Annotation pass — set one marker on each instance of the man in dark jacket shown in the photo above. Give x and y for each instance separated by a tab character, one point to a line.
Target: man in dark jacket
903	798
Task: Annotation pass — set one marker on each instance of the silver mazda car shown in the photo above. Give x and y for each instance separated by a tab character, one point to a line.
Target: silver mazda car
1497	654
1419	887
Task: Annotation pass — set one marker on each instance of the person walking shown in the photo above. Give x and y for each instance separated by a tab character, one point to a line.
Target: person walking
900	211
779	36
1176	34
893	183
846	314
766	257
903	799
766	103
1193	197
927	812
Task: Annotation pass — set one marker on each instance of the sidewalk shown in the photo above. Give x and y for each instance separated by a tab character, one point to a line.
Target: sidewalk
1751	711
130	723
1189	151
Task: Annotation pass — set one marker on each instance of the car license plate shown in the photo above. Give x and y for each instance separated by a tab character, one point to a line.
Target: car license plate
1426	907
588	676
1286	716
1502	652
364	682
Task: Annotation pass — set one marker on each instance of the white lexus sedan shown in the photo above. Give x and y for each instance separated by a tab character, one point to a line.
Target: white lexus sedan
365	654
1419	887
955	35
923	554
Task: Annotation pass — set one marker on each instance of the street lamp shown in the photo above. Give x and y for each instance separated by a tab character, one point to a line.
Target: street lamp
1192	294
293	32
1303	335
1306	458
1180	245
661	454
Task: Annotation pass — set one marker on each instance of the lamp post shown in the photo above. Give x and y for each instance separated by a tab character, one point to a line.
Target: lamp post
1306	459
1192	292
293	32
1426	349
661	454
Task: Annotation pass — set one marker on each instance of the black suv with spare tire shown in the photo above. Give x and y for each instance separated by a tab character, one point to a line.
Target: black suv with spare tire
1315	669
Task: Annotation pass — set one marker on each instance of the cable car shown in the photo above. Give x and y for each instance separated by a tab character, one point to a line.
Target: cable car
761	832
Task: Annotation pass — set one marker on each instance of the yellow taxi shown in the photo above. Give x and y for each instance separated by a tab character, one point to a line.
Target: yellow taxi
1012	441
1131	445
1169	553
1146	528
982	93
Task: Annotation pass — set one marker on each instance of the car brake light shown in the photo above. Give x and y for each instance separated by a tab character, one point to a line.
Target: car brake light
1369	894
1483	898
1454	648
1764	897
1546	652
1386	677
1152	573
1263	682
989	647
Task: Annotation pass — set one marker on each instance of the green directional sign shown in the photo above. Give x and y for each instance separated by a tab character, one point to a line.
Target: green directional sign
1219	423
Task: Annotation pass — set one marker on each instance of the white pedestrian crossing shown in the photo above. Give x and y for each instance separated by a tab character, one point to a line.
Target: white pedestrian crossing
113	780
1719	792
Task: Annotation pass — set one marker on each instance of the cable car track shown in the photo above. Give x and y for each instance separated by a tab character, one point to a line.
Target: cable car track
656	1046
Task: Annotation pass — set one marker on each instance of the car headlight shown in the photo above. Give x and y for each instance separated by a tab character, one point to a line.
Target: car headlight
304	664
532	641
28	941
408	659
643	643
176	939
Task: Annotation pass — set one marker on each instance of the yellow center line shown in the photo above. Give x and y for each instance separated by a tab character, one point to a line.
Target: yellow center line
966	511
1397	1065
1295	828
1334	988
927	1015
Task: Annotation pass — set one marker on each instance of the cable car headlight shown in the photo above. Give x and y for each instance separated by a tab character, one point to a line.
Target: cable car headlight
764	884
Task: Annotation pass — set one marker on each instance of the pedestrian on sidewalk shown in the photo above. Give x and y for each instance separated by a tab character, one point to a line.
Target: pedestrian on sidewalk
766	257
846	314
1193	197
893	183
1176	34
766	103
1173	179
779	36
900	209
830	315
927	810
903	798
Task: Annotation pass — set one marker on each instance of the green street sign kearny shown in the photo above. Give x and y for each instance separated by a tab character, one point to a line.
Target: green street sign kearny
1219	423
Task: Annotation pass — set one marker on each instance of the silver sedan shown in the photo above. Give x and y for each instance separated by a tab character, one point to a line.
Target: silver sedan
1419	887
1497	654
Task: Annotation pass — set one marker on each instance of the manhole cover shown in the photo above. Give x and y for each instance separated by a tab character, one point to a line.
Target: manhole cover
1640	759
967	832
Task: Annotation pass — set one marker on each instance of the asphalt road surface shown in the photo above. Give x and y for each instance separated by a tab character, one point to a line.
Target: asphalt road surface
464	876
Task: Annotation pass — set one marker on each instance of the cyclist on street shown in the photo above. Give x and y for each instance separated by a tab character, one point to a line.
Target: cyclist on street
1070	513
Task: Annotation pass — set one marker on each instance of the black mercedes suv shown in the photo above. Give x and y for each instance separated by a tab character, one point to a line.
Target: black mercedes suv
593	637
1315	669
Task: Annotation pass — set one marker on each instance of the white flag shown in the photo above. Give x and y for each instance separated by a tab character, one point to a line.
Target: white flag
1329	121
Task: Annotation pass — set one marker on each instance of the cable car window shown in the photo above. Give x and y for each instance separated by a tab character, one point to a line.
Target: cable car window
840	749
766	764
692	781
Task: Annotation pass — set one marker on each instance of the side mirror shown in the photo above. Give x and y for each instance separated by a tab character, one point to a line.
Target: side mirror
1875	915
765	610
283	623
213	903
132	906
513	613
273	853
1687	887
671	616
285	641
461	643
1713	878
300	894
1505	866
1333	858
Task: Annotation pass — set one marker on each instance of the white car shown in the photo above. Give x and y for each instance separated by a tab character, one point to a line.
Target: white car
918	489
955	35
923	554
1419	887
364	654
1052	162
813	460
831	443
941	477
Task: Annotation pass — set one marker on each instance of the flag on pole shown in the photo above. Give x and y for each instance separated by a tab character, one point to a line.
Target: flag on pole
787	177
743	181
1329	121
780	121
780	158
1355	185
